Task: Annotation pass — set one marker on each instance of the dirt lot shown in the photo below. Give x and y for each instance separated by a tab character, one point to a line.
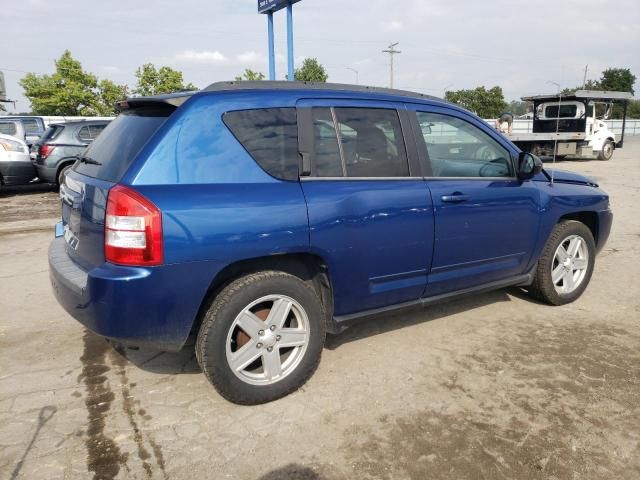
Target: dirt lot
493	386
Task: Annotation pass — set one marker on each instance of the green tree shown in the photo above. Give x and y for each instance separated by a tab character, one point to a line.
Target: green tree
518	108
485	103
311	71
152	81
617	79
108	94
633	109
250	75
68	91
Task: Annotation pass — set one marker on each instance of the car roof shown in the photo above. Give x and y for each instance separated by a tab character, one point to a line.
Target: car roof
363	91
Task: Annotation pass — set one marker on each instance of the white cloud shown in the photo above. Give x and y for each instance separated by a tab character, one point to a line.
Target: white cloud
250	58
393	26
192	56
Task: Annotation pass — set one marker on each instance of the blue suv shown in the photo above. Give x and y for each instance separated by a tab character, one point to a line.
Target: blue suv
257	217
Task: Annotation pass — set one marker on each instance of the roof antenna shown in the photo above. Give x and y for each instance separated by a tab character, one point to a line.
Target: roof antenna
555	142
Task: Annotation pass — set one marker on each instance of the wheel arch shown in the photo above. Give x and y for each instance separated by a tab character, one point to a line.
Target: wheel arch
309	267
63	163
587	217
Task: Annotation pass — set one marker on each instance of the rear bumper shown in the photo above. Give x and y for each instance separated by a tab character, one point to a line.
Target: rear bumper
17	172
148	307
47	174
605	219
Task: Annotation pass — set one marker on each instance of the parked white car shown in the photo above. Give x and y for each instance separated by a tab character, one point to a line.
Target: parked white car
16	167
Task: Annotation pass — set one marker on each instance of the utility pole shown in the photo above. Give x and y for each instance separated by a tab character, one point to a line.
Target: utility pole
391	51
584	80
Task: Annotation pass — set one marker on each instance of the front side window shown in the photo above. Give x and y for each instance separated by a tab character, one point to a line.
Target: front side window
270	135
457	148
358	142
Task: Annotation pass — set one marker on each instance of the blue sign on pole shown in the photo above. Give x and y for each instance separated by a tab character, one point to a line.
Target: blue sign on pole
266	6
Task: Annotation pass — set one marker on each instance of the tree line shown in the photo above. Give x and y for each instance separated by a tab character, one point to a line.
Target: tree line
490	103
71	90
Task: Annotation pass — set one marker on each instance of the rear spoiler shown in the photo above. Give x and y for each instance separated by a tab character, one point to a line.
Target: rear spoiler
171	99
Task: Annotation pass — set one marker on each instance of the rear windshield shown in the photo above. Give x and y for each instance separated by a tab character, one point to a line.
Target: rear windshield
51	133
119	143
566	111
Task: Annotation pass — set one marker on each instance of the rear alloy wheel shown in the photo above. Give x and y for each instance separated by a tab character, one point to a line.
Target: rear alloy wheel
566	264
607	150
262	337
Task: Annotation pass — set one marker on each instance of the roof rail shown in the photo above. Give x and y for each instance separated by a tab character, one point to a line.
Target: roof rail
321	86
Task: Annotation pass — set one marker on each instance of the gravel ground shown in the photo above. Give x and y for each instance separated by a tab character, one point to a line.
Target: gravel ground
491	386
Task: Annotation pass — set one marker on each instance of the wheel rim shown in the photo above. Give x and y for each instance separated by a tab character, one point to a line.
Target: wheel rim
267	340
570	264
608	149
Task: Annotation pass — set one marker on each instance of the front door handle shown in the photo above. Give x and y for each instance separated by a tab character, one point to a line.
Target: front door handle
454	198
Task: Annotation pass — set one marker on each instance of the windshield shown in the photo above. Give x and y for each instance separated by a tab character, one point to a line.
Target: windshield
115	149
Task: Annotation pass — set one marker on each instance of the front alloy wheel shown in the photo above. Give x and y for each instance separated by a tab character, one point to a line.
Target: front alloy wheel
570	264
565	265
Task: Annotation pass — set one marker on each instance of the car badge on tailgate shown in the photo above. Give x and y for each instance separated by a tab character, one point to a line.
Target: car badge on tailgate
70	238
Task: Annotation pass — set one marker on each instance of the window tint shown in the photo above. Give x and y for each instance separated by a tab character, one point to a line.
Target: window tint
118	145
84	135
31	126
458	149
566	111
8	128
270	136
326	153
51	133
372	143
94	130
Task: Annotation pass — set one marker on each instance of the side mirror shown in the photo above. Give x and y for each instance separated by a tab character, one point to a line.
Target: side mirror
528	165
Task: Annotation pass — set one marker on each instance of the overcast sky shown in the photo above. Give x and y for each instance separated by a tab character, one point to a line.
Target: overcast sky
453	44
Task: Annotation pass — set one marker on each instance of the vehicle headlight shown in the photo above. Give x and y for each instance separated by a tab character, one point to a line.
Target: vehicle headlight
12	146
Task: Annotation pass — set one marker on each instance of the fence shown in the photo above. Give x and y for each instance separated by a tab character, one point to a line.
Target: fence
632	126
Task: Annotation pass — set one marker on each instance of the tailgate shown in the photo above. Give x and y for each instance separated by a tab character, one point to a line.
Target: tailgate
84	200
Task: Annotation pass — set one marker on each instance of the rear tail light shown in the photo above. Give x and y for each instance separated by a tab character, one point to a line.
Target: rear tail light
45	150
132	229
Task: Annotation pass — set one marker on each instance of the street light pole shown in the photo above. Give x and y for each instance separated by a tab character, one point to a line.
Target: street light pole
391	51
354	71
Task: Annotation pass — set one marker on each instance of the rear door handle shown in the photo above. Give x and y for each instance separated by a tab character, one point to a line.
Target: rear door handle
454	198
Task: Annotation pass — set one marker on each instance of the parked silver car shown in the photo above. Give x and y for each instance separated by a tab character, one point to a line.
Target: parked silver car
16	167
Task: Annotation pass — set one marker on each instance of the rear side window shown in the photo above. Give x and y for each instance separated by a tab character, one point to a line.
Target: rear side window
8	128
84	135
117	146
358	143
270	135
95	130
31	126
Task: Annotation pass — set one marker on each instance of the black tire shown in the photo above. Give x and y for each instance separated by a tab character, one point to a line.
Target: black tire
543	287
63	171
607	150
211	343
